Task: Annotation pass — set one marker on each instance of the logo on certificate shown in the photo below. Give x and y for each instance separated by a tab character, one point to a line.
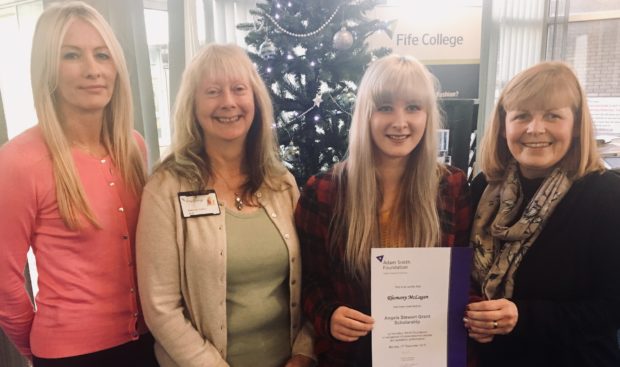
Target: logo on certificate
380	258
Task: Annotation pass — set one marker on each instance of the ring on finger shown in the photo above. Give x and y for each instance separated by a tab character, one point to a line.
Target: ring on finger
495	325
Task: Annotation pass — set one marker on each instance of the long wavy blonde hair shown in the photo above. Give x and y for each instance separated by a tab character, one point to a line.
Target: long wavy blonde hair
544	85
357	209
117	130
188	158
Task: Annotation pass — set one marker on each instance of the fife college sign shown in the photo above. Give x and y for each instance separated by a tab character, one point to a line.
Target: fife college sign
443	34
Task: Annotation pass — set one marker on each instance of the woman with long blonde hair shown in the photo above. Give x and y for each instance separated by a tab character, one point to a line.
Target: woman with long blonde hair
218	256
389	192
70	190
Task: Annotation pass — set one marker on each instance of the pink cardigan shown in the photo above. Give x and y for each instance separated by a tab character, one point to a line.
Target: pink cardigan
87	298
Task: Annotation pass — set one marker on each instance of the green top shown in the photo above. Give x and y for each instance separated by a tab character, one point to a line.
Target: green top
257	293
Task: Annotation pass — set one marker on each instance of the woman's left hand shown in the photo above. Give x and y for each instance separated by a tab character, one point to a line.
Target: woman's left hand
485	319
299	361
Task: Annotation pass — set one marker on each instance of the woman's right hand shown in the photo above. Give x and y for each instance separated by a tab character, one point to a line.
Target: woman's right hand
348	325
485	319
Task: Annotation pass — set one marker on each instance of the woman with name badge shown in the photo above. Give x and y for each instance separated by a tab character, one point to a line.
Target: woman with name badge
70	189
545	234
218	255
389	192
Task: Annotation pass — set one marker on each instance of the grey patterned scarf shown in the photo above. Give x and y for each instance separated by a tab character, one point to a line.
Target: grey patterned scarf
499	245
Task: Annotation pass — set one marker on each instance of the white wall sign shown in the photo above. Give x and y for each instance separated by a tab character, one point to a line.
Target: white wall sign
445	32
606	115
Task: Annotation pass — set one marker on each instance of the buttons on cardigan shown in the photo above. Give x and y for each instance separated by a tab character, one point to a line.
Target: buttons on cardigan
293	259
287	236
111	183
221	252
102	161
136	314
121	209
134	335
293	282
274	215
259	195
220	227
125	237
294	304
132	290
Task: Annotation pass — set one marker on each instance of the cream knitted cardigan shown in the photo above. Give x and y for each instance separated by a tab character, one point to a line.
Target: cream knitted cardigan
182	274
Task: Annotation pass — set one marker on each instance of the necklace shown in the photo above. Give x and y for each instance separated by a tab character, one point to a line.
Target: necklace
239	204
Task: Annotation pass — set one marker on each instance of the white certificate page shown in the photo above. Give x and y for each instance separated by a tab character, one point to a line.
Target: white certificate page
410	294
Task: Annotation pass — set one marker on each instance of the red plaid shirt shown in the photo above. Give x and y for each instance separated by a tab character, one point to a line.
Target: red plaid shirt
325	284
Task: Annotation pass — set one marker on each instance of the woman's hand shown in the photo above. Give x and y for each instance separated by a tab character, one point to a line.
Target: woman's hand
486	319
348	325
299	361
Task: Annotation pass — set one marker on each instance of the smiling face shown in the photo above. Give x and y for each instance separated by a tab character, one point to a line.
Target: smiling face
224	109
396	129
539	139
86	73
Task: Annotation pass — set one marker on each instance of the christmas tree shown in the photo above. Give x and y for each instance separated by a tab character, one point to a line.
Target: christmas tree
311	55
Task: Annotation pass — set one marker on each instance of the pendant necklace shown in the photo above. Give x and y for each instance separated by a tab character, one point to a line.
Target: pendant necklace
238	201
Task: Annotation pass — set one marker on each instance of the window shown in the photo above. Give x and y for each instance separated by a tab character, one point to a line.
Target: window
156	21
586	34
18	21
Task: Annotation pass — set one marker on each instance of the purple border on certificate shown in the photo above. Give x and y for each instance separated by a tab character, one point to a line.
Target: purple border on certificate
460	270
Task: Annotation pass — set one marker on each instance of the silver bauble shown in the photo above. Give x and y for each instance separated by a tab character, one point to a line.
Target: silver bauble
343	39
347	98
289	152
267	50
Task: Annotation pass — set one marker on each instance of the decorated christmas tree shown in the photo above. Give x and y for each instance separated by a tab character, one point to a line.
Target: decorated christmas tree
311	55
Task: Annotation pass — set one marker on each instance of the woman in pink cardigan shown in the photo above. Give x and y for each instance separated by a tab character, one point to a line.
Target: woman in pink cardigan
70	190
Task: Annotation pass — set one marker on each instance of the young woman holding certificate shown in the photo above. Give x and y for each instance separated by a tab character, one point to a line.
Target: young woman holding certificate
546	231
389	192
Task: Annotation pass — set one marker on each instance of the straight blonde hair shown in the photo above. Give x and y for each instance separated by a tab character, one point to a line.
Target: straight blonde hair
357	208
188	158
549	84
117	130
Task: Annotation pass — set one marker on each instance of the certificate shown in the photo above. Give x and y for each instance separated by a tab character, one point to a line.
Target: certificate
418	299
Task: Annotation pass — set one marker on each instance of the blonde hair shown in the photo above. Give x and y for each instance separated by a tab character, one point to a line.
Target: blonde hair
117	130
188	158
357	209
549	84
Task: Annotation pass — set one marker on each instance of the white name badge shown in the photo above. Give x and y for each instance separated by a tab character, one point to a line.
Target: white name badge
198	203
